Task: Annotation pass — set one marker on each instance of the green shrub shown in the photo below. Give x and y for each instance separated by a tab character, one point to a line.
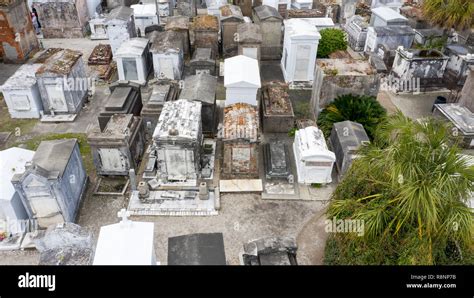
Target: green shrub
362	109
292	132
332	40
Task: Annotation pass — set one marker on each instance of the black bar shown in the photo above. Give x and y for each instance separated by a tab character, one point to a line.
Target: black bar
380	281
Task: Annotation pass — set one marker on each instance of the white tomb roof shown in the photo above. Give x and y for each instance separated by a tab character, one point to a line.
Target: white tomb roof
132	48
23	78
301	29
125	243
241	71
119	14
304	1
142	10
311	144
388	14
12	161
215	3
320	23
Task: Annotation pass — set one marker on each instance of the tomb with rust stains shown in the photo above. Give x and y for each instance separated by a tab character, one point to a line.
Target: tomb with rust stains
206	32
63	83
240	142
101	61
18	37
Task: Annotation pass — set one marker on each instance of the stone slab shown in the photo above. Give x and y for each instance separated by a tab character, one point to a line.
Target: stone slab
12	243
281	190
30	238
59	118
161	203
241	185
221	69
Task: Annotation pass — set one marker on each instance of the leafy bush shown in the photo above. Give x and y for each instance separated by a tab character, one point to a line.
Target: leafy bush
332	40
365	110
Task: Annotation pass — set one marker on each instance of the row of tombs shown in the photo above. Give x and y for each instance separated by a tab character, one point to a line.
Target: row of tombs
33	91
177	165
57	82
228	29
180	155
132	243
55	87
173	123
170	139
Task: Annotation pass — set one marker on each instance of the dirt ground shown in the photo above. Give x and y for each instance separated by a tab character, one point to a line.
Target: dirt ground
243	217
414	106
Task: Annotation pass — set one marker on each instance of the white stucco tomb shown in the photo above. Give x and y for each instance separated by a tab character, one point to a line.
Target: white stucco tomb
92	7
278	3
167	49
12	161
120	26
144	15
314	161
21	93
125	243
300	47
393	4
384	16
133	60
98	28
302	4
241	80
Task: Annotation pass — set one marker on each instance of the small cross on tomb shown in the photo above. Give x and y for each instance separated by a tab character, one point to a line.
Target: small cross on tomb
124	214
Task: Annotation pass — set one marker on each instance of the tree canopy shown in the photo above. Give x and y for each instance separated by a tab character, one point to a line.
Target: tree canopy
410	188
457	14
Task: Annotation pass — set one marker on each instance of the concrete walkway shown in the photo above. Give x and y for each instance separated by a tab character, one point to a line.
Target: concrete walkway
414	106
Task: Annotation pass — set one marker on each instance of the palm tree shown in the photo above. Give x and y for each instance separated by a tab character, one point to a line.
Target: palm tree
365	110
457	14
410	187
